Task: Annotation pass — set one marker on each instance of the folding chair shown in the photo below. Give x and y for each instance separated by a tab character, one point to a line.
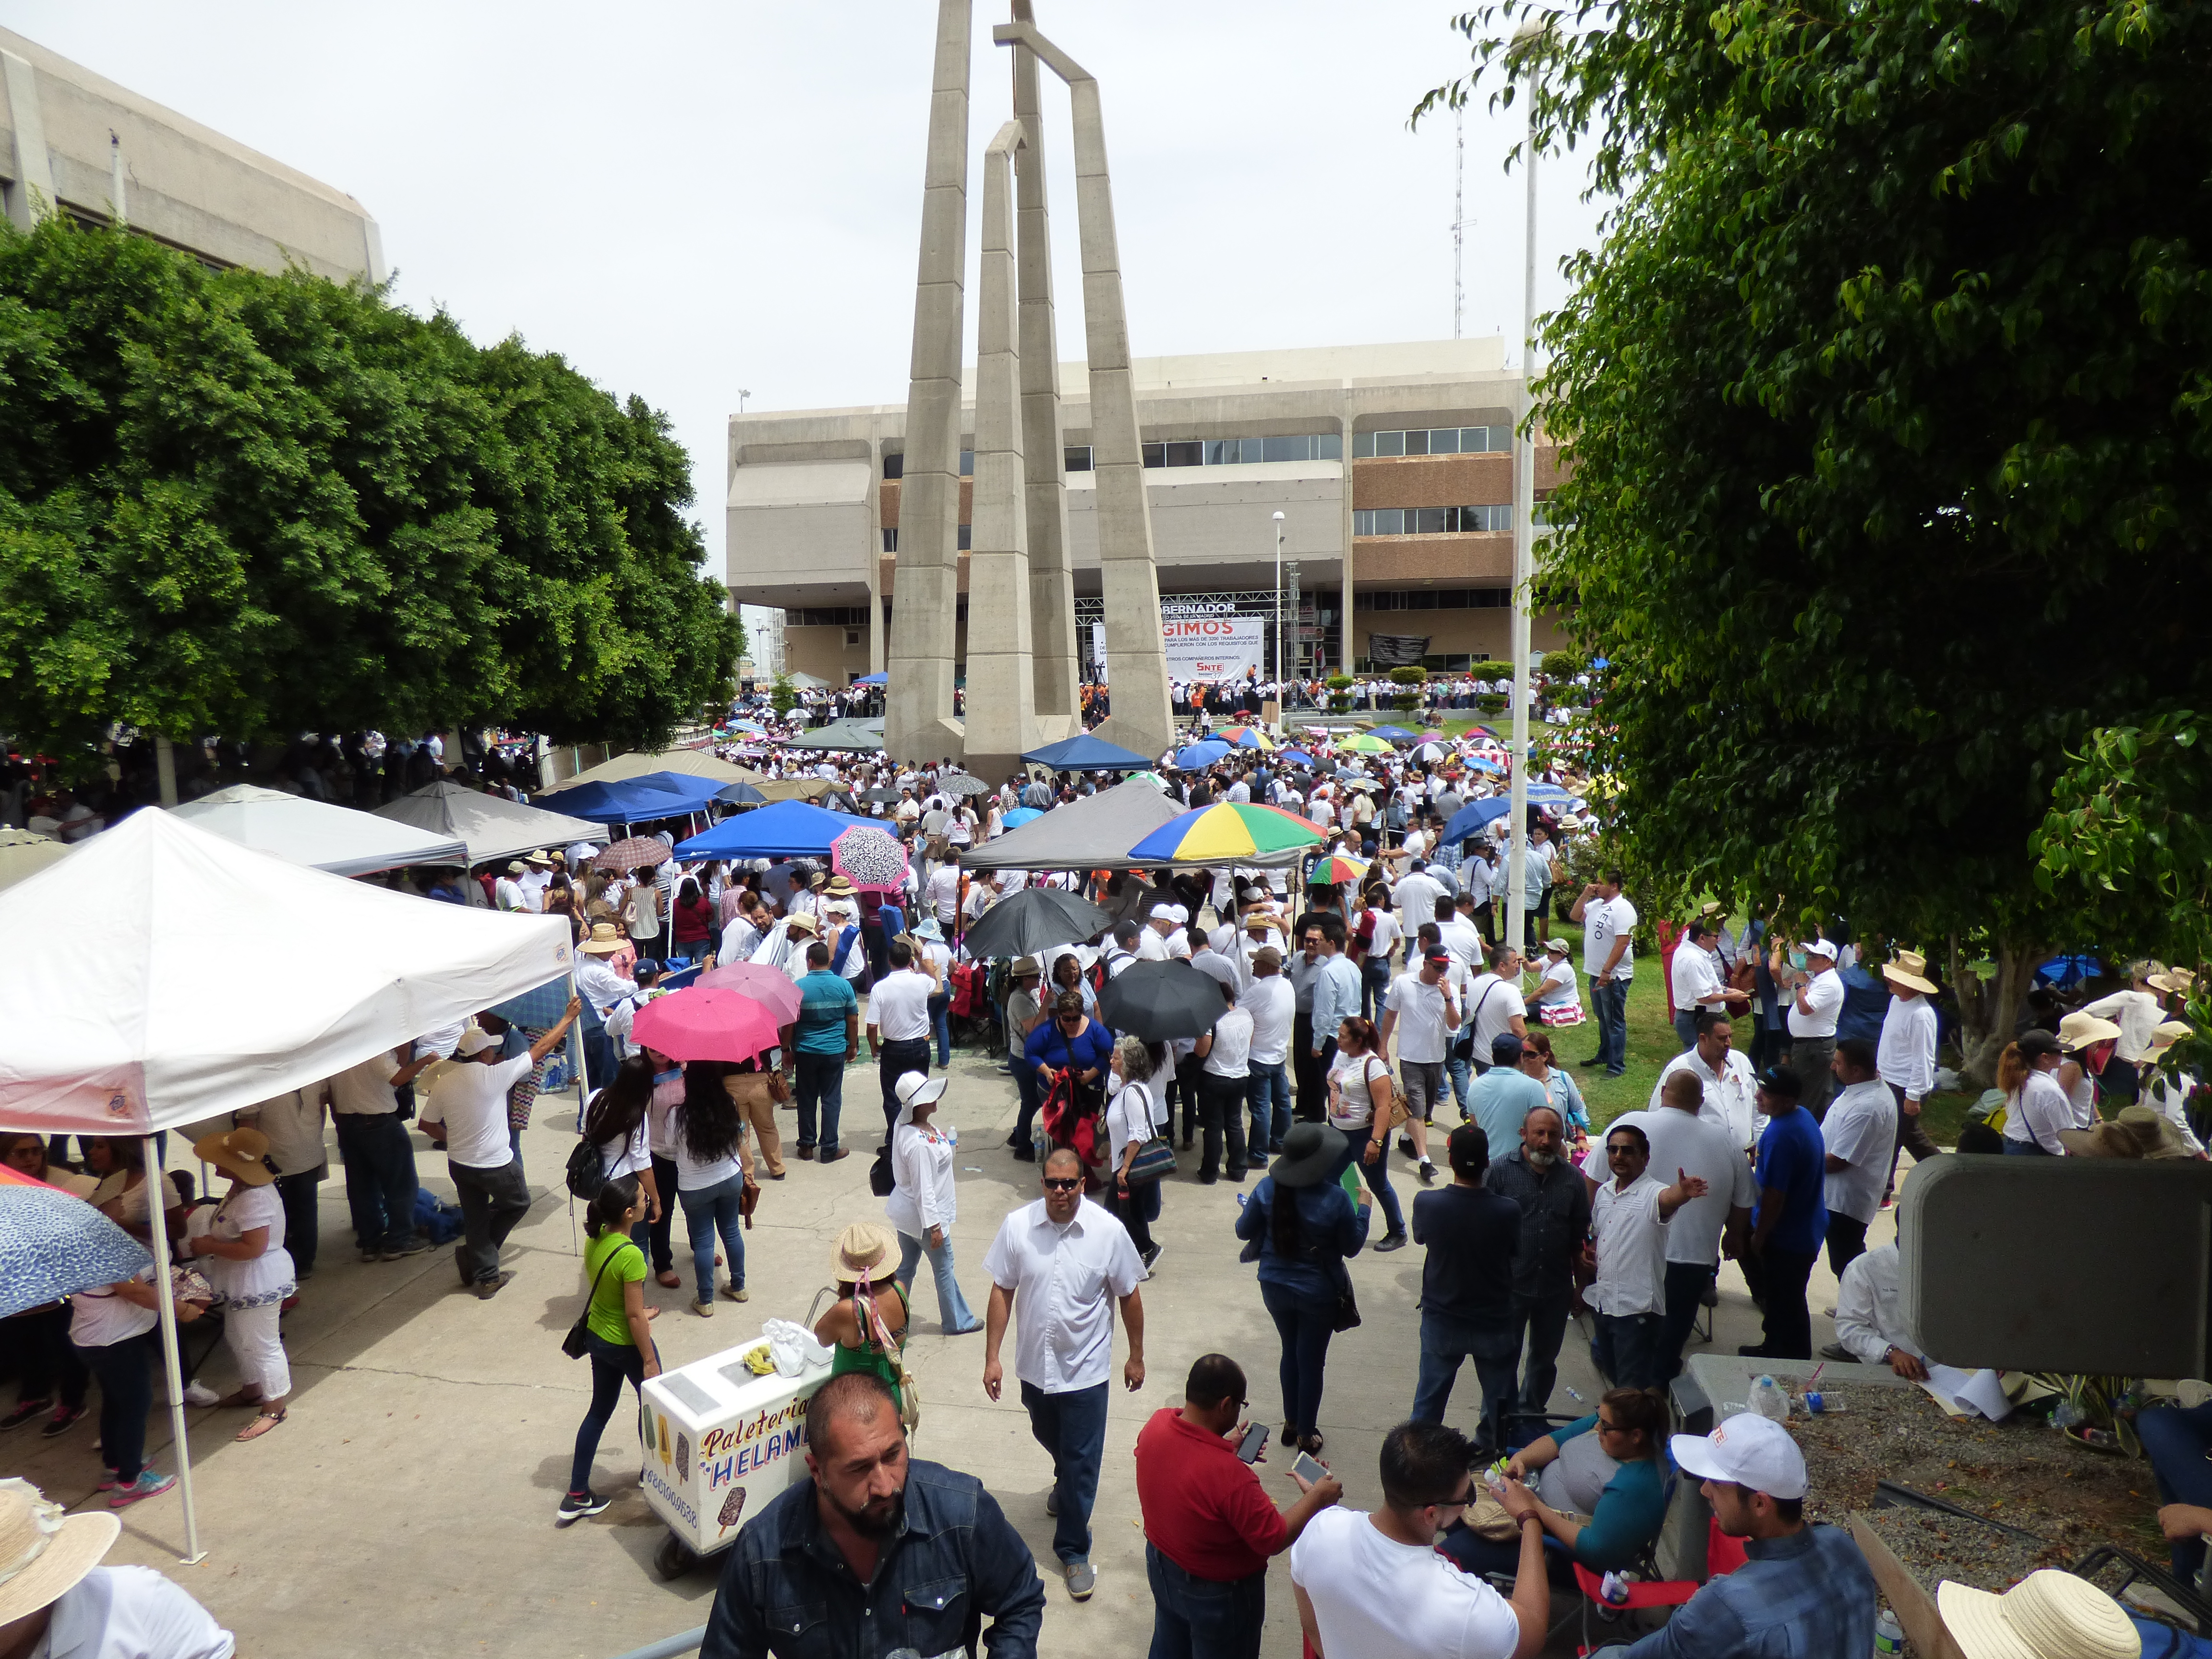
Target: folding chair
1724	1555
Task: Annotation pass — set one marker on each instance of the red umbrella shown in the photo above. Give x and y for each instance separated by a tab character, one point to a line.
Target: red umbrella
770	987
705	1024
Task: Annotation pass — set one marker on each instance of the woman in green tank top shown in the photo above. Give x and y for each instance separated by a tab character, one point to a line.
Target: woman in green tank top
864	1329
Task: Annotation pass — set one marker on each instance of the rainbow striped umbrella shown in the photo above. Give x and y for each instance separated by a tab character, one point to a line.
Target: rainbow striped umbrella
1225	833
1336	869
1247	736
1364	743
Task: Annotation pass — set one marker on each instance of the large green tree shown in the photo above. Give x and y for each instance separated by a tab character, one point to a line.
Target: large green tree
1889	397
251	504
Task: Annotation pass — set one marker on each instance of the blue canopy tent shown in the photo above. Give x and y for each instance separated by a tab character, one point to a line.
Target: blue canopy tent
1085	753
873	679
785	830
641	800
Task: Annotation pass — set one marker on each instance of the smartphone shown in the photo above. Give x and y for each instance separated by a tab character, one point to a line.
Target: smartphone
1255	1441
1308	1467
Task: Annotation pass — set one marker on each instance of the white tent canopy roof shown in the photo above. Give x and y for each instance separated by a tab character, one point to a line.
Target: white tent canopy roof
178	976
339	839
695	762
492	826
25	852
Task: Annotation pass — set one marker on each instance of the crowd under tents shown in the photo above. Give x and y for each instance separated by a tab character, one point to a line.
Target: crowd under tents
491	826
1093	833
341	840
147	1006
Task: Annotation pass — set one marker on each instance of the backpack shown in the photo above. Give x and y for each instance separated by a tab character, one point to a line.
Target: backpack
587	1173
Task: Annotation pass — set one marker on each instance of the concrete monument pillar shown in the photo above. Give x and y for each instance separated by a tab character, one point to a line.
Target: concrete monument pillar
918	720
1052	578
1136	656
1001	724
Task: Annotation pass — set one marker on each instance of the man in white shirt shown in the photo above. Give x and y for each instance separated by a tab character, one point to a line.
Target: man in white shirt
1153	945
1815	991
1697	982
1680	1138
1424	1013
1608	923
1066	1262
1373	1586
1416	896
1224	1082
507	892
899	1023
537	877
1270	1001
1375	935
379	1155
1478	880
1629	1216
943	891
1731	1088
293	1121
1494	1003
1905	1056
470	1099
1123	950
1868	1327
1860	1133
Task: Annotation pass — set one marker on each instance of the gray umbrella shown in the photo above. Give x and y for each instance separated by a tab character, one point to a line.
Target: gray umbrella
1034	920
962	783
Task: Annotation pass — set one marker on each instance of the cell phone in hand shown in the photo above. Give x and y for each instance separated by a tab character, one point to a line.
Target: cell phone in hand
1308	1467
1254	1442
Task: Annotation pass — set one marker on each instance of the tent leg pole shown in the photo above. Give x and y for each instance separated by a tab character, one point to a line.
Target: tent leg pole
583	1095
173	1363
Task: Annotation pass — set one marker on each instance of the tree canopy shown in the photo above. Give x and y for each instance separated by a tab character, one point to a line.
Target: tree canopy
1889	400
251	504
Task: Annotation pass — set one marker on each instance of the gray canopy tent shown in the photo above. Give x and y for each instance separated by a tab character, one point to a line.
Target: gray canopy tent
1093	833
490	827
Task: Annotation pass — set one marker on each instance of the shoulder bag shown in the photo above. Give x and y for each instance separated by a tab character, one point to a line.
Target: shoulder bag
578	1342
1156	1157
1398	1116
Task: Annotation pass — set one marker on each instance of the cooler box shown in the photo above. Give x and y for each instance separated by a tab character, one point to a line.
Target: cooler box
719	1443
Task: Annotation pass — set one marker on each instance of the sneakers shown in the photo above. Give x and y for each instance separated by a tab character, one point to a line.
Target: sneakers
1152	1256
574	1506
64	1419
1392	1242
1427	1172
1052	1500
412	1247
1837	1350
25	1413
372	1254
198	1393
148	1484
736	1293
1082	1578
488	1288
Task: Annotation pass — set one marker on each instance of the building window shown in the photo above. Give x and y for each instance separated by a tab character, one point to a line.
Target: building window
1430	521
1075	459
894	464
1246	451
1435	599
891	539
1434	441
966	463
965	530
832	616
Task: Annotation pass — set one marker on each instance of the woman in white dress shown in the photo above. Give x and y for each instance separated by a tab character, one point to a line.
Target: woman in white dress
241	1250
1559	998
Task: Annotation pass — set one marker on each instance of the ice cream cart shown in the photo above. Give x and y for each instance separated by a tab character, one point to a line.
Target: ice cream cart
719	1443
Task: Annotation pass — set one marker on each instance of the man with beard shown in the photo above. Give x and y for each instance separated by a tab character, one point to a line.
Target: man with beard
884	1552
1555	1216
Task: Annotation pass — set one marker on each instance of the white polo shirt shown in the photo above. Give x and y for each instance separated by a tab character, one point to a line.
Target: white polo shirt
1823	995
1859	1126
1632	1248
1064	1281
898	1007
470	1099
1731	1093
1685	1141
1422	1036
1492	1004
1696	976
1905	1057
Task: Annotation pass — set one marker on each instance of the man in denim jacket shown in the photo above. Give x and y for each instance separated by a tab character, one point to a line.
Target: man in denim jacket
875	1552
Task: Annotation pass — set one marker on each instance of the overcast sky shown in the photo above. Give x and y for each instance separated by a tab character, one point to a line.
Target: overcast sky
688	199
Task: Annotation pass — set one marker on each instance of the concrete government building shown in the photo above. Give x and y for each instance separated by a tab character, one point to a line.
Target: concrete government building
1230	439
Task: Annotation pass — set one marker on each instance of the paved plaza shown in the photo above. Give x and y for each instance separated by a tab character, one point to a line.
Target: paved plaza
406	1507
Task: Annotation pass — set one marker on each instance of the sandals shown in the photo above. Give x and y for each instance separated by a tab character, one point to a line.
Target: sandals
262	1423
1310	1446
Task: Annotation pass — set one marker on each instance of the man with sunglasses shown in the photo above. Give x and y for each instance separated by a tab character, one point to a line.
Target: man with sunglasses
1628	1221
1066	1262
1370	1587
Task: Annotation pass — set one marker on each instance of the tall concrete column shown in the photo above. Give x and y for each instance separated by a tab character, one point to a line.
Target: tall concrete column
1052	576
1001	723
1136	654
874	554
918	720
1344	634
33	196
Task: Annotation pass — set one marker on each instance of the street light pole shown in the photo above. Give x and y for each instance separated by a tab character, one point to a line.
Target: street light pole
1524	500
1281	725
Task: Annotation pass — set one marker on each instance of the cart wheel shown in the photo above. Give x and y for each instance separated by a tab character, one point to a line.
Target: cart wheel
674	1558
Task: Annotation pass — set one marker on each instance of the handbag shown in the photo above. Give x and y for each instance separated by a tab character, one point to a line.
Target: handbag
1347	1305
578	1342
1154	1160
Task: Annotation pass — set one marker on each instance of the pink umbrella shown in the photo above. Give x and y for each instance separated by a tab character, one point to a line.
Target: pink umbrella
770	987
704	1022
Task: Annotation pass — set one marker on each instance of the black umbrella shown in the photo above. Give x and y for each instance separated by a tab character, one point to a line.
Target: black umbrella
881	795
1034	920
1160	1001
742	794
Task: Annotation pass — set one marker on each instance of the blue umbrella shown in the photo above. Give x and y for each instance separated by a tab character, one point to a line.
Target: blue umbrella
2067	971
1298	755
1395	734
53	1244
1548	795
1200	755
1022	814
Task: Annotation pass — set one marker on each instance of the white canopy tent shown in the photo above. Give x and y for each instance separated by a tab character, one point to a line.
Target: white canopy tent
492	826
25	853
694	763
148	1004
342	840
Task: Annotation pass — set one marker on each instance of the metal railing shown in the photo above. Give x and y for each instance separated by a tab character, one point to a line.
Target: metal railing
669	1647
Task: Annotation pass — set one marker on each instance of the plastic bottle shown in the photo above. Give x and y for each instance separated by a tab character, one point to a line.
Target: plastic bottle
1888	1634
1768	1400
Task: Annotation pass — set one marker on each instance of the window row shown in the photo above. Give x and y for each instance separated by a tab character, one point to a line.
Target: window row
1434	441
1436	598
1429	520
830	616
891	537
1187	451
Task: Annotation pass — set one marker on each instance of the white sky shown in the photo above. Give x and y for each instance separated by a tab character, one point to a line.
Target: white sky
685	200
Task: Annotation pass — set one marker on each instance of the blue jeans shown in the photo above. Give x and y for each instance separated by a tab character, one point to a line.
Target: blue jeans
1374	985
1459	1068
1071	1426
1686	1289
709	1211
819	1080
379	1166
613	1363
125	1370
1494	1345
1685	1029
1305	1325
940	1022
1201	1618
1610	1002
2176	1439
1376	1175
1267	1093
1628	1348
951	1306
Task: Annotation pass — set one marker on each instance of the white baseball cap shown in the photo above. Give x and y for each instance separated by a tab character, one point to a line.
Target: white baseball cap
1820	947
1748	1450
1163	913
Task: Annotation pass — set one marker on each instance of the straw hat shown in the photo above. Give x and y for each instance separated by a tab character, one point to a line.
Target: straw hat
2049	1614
864	1251
839	888
2079	1030
2133	1132
241	1153
1910	970
1026	967
802	922
2166	1033
2172	982
43	1550
606	939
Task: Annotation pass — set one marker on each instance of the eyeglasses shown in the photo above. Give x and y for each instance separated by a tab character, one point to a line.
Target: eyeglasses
1621	1150
1458	1503
1063	1184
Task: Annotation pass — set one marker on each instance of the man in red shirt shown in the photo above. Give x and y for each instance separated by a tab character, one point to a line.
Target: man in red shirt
1209	1527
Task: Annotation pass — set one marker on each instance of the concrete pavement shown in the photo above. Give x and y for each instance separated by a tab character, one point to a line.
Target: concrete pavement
407	1505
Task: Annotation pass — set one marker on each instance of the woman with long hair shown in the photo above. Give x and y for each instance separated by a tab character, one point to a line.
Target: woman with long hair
618	1326
923	1202
1360	1109
713	1170
692	922
615	1123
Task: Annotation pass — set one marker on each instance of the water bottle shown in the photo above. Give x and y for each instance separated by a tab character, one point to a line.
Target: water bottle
1888	1634
1614	1590
1768	1400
